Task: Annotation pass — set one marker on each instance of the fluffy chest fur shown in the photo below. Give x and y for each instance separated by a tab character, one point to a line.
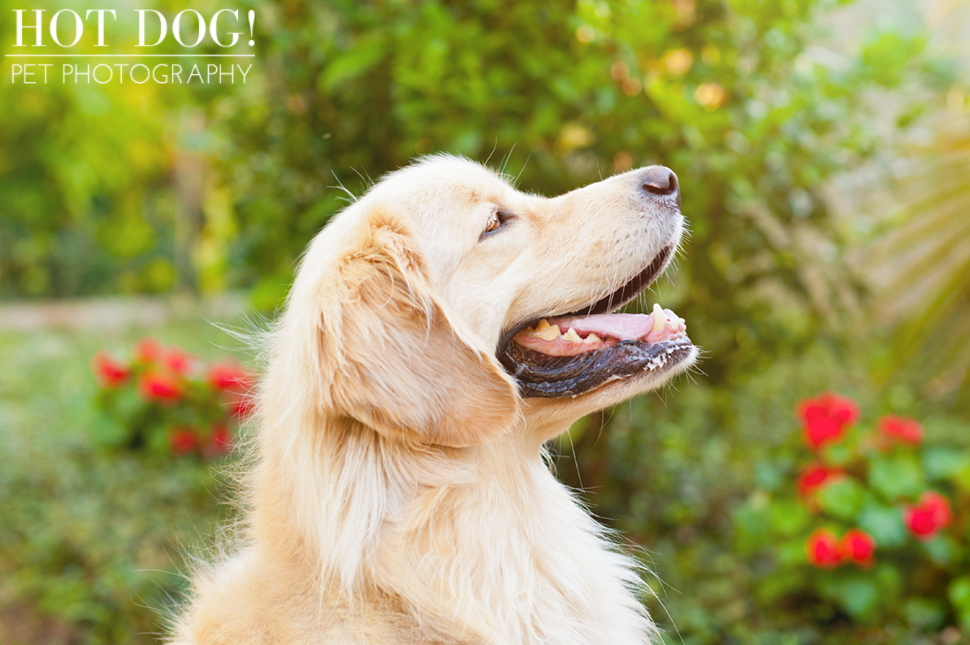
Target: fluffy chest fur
486	548
532	570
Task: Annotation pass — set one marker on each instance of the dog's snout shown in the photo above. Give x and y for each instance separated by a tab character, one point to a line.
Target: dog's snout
659	180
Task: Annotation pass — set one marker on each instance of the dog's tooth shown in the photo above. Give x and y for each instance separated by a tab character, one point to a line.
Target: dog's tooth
550	334
593	338
545	331
659	317
572	336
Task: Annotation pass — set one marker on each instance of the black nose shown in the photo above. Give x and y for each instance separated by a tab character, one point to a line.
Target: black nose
660	180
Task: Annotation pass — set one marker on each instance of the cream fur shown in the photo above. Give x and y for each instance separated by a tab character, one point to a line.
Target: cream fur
397	491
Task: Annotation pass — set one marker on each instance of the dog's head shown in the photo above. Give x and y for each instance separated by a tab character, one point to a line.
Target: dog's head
444	304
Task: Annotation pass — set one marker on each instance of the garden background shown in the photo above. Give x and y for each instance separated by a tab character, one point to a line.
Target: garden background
824	153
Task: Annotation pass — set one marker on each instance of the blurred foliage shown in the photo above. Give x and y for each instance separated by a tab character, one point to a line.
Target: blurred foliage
80	168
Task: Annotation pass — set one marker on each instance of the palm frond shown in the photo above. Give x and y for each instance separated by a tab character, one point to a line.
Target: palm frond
921	267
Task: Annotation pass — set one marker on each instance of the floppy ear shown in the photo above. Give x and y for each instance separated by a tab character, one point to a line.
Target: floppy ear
398	361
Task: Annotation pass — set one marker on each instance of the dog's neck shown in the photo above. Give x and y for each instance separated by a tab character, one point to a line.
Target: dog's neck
485	537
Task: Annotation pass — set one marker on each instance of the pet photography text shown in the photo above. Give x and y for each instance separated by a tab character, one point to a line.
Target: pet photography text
70	48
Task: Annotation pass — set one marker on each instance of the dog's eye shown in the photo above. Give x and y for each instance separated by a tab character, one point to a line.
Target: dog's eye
495	222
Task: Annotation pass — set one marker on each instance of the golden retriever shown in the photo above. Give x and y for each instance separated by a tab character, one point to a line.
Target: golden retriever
440	330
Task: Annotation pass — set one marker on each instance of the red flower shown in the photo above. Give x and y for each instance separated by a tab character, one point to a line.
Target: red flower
925	519
147	350
858	546
224	376
109	371
816	477
178	360
822	548
220	439
182	441
939	506
160	387
826	418
920	522
243	407
901	429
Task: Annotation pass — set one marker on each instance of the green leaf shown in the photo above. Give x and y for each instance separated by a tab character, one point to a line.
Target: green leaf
843	499
157	441
897	476
890	583
962	479
884	524
887	56
792	552
366	53
925	613
944	462
751	523
840	454
468	142
941	550
127	405
108	432
959	595
789	517
857	594
768	476
781	584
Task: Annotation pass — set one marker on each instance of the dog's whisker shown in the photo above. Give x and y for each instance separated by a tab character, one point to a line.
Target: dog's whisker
515	181
505	163
367	181
352	198
494	148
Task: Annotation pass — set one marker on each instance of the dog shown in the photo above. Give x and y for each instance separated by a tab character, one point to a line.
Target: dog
440	330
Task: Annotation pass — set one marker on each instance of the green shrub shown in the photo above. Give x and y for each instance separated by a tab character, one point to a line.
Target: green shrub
163	403
868	530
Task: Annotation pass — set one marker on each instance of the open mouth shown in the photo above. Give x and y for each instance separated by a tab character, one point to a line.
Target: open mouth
568	355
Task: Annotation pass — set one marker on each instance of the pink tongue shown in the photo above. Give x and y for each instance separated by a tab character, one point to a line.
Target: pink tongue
620	326
609	329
